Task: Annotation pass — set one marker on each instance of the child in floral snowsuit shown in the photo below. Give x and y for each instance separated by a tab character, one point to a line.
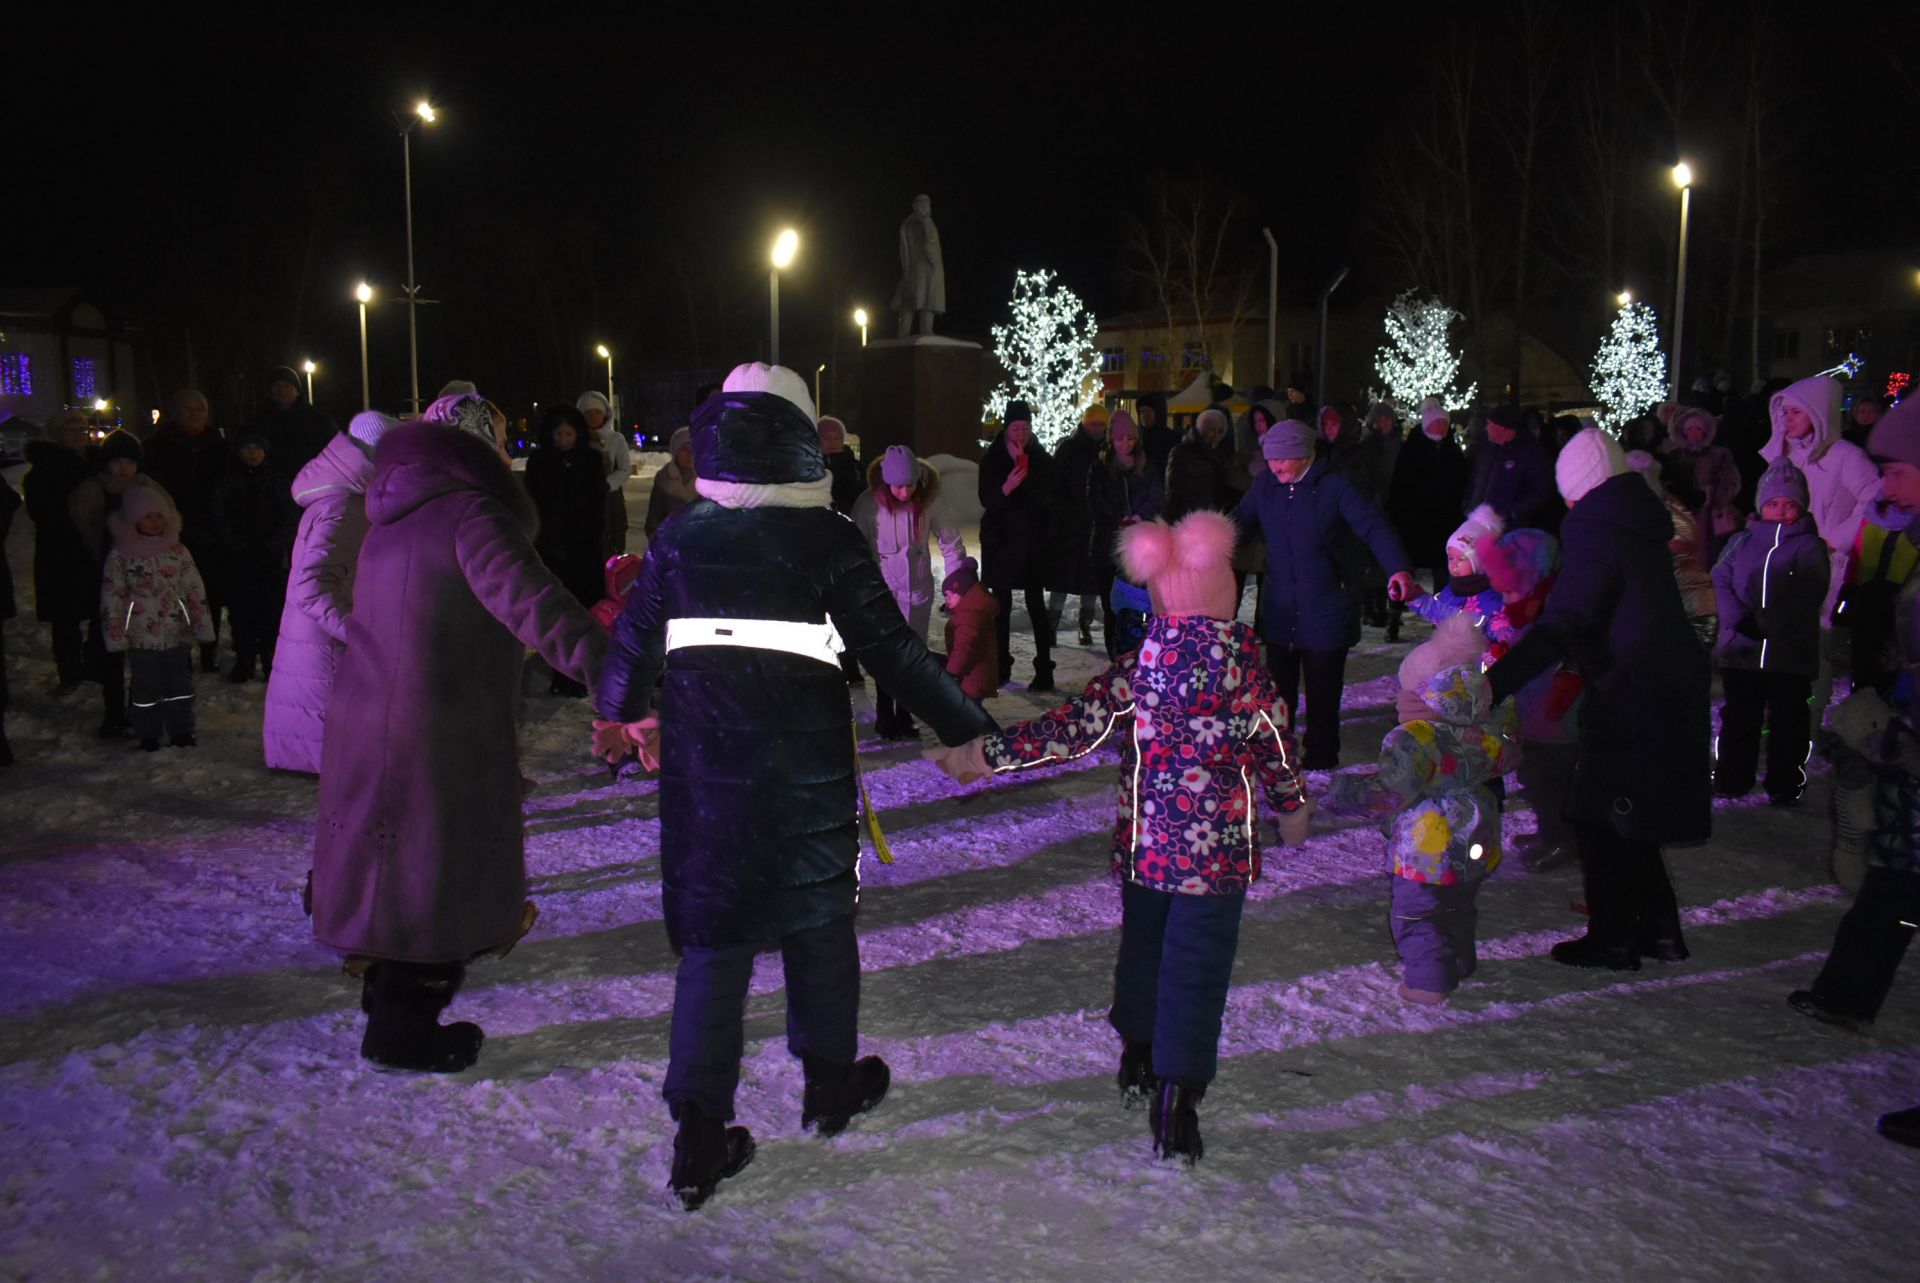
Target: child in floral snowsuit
155	607
1198	725
1444	831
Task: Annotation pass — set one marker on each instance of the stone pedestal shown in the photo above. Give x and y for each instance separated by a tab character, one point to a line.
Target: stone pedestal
923	392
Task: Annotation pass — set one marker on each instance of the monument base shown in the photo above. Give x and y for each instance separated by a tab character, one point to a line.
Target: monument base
923	392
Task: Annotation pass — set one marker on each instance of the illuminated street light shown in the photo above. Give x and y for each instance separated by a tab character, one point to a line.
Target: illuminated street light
1624	297
601	351
785	246
860	319
423	113
1683	179
363	292
308	366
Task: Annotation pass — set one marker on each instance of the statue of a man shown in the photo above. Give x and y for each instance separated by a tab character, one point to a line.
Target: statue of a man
922	292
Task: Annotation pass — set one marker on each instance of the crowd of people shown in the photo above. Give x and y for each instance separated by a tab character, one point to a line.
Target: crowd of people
389	580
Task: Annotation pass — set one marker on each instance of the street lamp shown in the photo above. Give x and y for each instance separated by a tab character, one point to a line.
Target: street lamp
1624	297
785	246
1683	179
309	367
818	371
860	319
364	292
602	352
423	114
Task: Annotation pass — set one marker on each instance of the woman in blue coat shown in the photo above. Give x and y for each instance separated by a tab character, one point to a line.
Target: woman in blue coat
1310	613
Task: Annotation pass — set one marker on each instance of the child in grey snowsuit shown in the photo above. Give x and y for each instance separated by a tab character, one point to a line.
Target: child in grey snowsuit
1434	780
155	608
1771	585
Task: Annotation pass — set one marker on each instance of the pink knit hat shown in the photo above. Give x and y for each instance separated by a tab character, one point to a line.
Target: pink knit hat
1187	568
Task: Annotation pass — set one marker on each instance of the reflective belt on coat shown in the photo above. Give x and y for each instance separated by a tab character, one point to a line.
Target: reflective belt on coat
810	641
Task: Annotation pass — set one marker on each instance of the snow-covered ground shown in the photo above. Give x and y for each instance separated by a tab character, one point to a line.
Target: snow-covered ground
180	1095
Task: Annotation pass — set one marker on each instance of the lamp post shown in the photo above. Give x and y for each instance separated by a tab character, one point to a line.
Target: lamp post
364	292
309	367
1683	179
423	114
818	370
785	246
607	356
1273	298
860	319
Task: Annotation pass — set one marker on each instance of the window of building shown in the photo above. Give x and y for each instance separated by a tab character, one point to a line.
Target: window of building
1193	355
16	374
1846	340
1113	360
83	380
1152	358
1786	345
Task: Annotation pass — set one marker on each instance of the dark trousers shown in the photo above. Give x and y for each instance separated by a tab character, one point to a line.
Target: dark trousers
258	592
890	717
709	1011
1326	673
1630	901
617	520
1545	776
1433	931
1871	940
161	702
1781	702
1170	983
110	666
69	651
1042	629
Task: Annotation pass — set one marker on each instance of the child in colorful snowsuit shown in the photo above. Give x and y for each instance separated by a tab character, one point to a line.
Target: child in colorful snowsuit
1771	584
1444	832
1198	725
155	607
1467	589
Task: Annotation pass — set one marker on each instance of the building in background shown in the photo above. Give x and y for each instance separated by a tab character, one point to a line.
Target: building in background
1819	309
58	349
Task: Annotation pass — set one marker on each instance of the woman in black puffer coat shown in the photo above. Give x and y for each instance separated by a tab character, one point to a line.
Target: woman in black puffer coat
1014	527
566	477
759	832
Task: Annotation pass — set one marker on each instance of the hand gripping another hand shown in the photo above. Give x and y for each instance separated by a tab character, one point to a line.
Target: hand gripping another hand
614	740
964	764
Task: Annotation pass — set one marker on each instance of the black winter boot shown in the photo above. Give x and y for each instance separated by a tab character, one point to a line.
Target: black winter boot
242	670
836	1093
210	657
1903	1126
1137	1083
404	1001
1042	676
1588	951
1175	1118
705	1152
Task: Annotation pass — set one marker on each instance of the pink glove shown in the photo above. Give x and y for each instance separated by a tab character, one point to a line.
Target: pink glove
964	764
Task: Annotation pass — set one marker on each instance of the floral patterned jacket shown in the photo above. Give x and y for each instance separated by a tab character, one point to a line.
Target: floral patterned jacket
155	602
1198	724
1433	777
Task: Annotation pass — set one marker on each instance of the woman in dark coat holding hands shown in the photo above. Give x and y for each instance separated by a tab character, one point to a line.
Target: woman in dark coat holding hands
1643	777
1015	481
1310	613
734	618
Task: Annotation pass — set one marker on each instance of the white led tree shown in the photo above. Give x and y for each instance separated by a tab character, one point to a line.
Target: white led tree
1629	371
1049	356
1417	361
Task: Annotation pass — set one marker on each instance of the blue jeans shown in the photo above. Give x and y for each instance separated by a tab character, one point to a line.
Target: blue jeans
709	1010
1433	928
1170	984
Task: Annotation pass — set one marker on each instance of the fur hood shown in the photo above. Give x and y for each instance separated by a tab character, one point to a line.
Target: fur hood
926	485
420	462
1677	430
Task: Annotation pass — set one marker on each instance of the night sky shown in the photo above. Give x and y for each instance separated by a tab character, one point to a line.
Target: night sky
619	179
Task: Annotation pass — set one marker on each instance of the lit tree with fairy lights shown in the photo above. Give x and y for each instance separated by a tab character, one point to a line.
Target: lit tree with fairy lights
1629	371
1049	356
1417	361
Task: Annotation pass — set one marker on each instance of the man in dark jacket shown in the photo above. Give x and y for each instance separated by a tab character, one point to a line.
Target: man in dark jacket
1423	499
188	458
849	474
1643	777
1157	436
1511	474
1070	523
254	514
66	581
1309	613
293	430
739	606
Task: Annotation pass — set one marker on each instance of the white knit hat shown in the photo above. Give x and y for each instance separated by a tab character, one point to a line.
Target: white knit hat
1589	459
1431	410
594	401
1481	521
776	380
367	427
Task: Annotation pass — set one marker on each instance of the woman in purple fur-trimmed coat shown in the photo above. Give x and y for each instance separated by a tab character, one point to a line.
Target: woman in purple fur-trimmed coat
419	852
